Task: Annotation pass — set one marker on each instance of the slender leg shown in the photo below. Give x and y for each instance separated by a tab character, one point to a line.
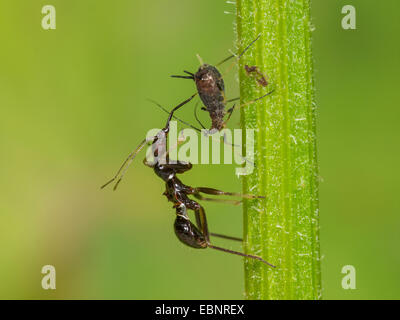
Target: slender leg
201	222
223	193
225	237
241	54
195	115
228	201
175	117
126	163
252	101
231	100
241	254
202	225
229	112
179	167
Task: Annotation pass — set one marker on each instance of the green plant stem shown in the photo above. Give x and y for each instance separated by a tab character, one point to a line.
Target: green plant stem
283	228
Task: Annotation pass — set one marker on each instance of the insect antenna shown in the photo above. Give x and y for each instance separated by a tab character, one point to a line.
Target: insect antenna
182	77
175	117
259	98
125	165
190	75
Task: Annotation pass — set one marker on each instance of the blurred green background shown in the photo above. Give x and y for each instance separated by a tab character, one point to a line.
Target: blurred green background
73	104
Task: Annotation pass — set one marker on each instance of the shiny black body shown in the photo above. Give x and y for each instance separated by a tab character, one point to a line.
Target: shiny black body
193	235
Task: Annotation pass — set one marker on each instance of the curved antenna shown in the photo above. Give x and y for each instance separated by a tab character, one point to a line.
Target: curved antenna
175	117
189	73
125	165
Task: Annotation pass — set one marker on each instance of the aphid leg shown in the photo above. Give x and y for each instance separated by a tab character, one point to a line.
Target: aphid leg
237	57
196	117
255	100
229	112
231	100
241	54
201	221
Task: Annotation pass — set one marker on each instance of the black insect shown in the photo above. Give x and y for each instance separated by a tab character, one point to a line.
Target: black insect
211	89
195	236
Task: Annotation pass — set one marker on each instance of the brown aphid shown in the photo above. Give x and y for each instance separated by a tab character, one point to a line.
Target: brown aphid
211	89
257	74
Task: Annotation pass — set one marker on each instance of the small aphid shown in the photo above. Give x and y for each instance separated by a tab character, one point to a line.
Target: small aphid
257	74
211	89
193	235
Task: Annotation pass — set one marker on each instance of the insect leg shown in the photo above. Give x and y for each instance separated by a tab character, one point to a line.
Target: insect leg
228	201
241	254
196	117
202	224
255	100
175	117
231	100
225	237
241	54
224	193
229	112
